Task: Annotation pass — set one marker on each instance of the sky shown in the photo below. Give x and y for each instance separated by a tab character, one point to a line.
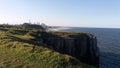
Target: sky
75	13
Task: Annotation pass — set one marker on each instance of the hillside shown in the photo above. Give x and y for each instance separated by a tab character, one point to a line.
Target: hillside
24	48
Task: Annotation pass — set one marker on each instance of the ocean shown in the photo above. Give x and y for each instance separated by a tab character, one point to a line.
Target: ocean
108	42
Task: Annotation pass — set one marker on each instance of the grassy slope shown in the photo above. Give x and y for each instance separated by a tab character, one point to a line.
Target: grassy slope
20	49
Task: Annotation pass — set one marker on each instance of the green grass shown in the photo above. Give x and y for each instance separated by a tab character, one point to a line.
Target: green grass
24	49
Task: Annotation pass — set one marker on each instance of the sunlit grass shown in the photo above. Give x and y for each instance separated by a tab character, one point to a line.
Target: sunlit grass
23	49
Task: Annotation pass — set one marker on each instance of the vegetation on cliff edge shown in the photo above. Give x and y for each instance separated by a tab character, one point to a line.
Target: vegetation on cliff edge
23	48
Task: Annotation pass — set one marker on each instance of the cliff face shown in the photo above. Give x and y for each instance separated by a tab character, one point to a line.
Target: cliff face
83	47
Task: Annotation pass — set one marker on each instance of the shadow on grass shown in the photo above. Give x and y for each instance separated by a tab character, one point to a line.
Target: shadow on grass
37	41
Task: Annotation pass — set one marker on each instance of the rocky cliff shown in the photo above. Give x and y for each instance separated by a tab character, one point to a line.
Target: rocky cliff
81	46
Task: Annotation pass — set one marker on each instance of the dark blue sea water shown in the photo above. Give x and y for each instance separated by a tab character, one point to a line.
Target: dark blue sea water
108	43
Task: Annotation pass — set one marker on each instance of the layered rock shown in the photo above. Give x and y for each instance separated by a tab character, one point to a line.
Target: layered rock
82	47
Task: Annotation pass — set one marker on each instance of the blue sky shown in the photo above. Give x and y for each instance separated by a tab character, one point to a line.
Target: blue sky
79	13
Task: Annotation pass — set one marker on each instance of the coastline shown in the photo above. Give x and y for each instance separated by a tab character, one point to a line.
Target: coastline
57	29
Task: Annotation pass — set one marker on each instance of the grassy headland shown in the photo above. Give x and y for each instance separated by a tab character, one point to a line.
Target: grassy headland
22	47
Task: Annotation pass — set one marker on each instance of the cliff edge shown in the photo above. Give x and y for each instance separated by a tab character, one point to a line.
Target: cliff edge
82	46
29	47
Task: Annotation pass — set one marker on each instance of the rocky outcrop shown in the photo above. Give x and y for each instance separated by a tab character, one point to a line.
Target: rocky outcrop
83	47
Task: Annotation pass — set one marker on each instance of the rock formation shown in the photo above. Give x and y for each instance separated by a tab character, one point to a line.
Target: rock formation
82	47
